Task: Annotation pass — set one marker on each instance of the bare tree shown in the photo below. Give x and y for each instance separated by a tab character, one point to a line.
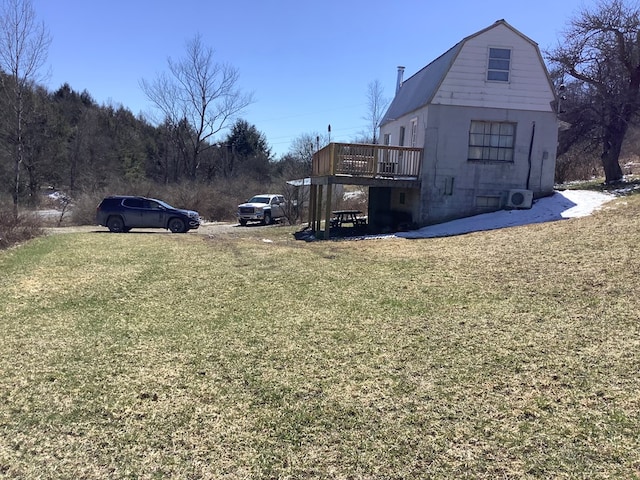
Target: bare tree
305	145
376	106
24	45
601	50
199	91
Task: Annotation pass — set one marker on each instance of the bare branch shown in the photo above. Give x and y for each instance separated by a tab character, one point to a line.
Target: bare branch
24	46
200	91
376	104
24	43
601	48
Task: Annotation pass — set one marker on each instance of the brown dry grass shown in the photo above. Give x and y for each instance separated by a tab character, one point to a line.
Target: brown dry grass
17	229
502	354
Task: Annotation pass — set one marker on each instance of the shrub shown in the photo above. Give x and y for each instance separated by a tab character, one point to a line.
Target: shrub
84	208
14	230
577	164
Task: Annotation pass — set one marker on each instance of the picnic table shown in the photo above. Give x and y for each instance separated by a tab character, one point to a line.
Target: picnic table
354	217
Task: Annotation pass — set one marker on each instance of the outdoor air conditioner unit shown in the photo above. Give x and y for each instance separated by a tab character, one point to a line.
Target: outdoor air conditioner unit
519	199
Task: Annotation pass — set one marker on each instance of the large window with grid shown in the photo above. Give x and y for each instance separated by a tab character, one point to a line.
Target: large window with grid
499	64
492	141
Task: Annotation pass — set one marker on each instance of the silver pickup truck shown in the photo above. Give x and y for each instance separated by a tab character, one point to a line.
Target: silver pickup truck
265	208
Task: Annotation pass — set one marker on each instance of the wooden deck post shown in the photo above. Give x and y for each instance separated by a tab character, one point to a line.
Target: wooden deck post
312	206
327	216
318	208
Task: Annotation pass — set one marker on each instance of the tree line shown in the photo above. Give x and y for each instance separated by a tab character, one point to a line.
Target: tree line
72	143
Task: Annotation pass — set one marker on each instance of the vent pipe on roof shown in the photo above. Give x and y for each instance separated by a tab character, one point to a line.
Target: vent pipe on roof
400	75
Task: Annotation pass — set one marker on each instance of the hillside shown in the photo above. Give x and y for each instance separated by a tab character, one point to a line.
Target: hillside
509	353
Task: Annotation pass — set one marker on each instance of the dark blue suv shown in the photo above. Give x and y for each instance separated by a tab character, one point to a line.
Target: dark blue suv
122	213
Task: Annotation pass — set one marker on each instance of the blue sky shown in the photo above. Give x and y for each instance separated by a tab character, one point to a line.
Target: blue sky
308	63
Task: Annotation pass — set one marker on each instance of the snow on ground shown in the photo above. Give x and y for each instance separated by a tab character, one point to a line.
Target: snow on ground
561	205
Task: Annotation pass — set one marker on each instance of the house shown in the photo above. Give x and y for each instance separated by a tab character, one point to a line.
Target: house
473	131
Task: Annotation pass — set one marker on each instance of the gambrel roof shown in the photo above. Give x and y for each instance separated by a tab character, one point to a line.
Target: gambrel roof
419	90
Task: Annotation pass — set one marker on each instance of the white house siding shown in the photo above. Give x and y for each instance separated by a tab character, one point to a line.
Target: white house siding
466	83
393	128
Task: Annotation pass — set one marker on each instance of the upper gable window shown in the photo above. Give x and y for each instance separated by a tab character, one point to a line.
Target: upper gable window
499	64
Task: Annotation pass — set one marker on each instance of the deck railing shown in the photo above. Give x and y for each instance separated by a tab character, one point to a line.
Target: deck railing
365	160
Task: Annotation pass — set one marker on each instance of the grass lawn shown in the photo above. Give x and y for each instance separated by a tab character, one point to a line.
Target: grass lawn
504	354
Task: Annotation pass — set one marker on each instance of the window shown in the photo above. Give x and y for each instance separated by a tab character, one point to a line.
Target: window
492	141
488	202
386	141
401	137
133	202
499	64
414	132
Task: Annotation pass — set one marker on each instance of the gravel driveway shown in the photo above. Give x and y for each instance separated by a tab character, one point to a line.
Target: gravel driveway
209	228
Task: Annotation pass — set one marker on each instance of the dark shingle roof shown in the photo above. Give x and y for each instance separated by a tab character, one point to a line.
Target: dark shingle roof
418	90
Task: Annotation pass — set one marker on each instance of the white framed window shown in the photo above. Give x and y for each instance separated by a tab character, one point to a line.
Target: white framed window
414	131
499	64
386	140
492	141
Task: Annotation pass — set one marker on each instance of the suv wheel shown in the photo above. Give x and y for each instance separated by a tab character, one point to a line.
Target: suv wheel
243	222
177	226
116	225
267	219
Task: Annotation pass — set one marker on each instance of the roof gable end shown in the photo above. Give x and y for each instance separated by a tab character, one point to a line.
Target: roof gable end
421	88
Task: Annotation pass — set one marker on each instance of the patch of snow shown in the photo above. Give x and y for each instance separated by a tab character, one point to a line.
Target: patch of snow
354	195
559	206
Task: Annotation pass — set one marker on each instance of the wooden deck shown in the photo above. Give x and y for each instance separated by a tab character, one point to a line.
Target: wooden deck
358	164
367	161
